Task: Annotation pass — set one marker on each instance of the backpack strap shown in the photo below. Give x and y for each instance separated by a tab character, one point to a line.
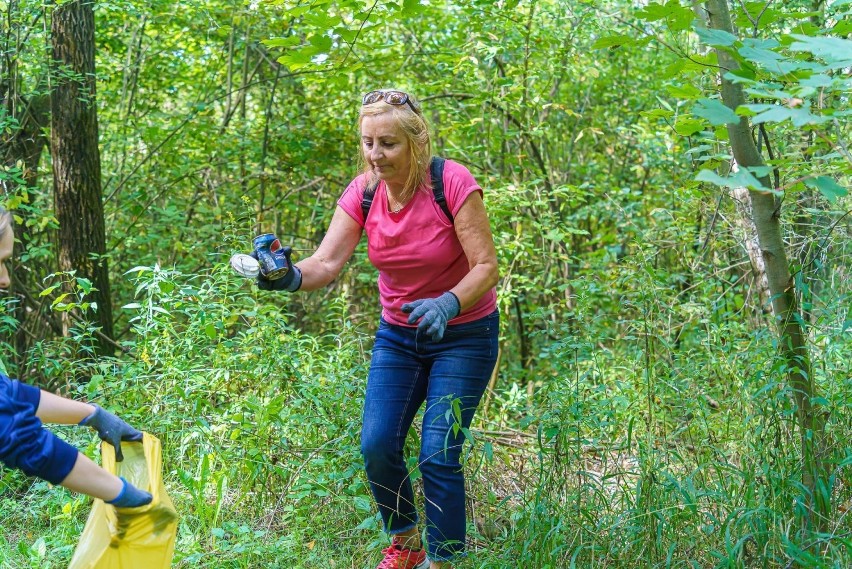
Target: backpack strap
436	171
367	200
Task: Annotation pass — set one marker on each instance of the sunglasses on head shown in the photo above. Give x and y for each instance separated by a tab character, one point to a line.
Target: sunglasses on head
389	97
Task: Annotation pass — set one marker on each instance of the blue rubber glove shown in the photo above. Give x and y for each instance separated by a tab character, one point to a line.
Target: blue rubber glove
111	429
130	496
433	313
289	282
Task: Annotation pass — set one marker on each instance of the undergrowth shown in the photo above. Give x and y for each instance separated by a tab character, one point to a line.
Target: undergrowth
636	449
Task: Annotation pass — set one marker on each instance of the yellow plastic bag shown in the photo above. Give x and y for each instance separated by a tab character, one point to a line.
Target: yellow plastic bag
131	538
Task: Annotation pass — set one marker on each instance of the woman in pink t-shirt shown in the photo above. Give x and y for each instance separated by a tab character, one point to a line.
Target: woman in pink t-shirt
437	338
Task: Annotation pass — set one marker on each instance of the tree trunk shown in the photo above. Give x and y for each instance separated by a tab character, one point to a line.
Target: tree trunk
792	345
23	148
759	284
78	198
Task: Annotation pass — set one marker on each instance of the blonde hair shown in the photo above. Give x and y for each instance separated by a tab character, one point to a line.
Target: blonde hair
416	130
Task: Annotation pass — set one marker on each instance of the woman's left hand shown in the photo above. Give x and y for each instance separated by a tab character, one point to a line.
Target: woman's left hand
434	313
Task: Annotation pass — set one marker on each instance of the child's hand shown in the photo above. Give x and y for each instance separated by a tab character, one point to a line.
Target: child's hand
111	429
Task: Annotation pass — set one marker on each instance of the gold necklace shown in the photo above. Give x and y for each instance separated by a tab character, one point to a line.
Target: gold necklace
397	205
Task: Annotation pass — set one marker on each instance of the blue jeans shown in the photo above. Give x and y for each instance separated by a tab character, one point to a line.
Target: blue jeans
451	375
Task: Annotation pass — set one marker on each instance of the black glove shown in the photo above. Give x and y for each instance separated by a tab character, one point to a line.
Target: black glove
290	282
111	429
435	313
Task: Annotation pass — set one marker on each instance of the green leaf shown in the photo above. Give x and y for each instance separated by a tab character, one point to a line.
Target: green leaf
346	34
322	19
835	51
139	269
739	179
817	81
715	111
321	43
657	114
363	504
297	11
799	116
760	171
653	12
764	57
84	284
613	41
761	43
673	69
684	91
48	290
677	17
575	231
295	60
715	38
291	41
554	235
412	7
827	187
687	126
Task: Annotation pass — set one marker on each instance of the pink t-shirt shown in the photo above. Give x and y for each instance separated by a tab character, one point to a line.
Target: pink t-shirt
416	250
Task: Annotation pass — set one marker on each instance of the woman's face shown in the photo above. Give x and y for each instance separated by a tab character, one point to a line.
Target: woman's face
386	149
7	242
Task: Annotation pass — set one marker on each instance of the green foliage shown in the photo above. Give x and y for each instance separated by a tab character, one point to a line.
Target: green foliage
639	414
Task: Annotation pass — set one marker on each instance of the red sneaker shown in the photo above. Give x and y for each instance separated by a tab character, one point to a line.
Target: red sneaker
397	557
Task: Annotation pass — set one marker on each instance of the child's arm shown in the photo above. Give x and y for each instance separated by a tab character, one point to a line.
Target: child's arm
55	409
26	445
89	478
59	410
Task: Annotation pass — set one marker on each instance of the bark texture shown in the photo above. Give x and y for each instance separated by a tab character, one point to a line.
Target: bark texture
76	158
793	340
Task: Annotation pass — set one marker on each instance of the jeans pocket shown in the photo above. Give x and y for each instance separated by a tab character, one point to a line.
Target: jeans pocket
482	328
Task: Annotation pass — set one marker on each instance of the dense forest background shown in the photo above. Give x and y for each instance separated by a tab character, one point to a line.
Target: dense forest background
667	187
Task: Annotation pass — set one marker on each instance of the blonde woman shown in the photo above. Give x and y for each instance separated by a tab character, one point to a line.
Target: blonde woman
428	235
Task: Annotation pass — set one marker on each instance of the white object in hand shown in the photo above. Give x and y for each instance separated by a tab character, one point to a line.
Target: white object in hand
245	265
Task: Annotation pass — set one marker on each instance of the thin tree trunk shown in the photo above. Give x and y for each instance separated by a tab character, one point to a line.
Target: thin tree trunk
792	345
742	199
24	147
21	148
78	198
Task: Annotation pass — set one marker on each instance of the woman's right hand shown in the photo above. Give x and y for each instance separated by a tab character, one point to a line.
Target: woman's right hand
292	279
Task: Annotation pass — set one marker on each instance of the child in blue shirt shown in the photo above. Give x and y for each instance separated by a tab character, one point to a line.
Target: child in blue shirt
26	445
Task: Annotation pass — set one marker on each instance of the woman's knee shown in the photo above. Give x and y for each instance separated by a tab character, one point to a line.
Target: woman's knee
440	462
377	450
